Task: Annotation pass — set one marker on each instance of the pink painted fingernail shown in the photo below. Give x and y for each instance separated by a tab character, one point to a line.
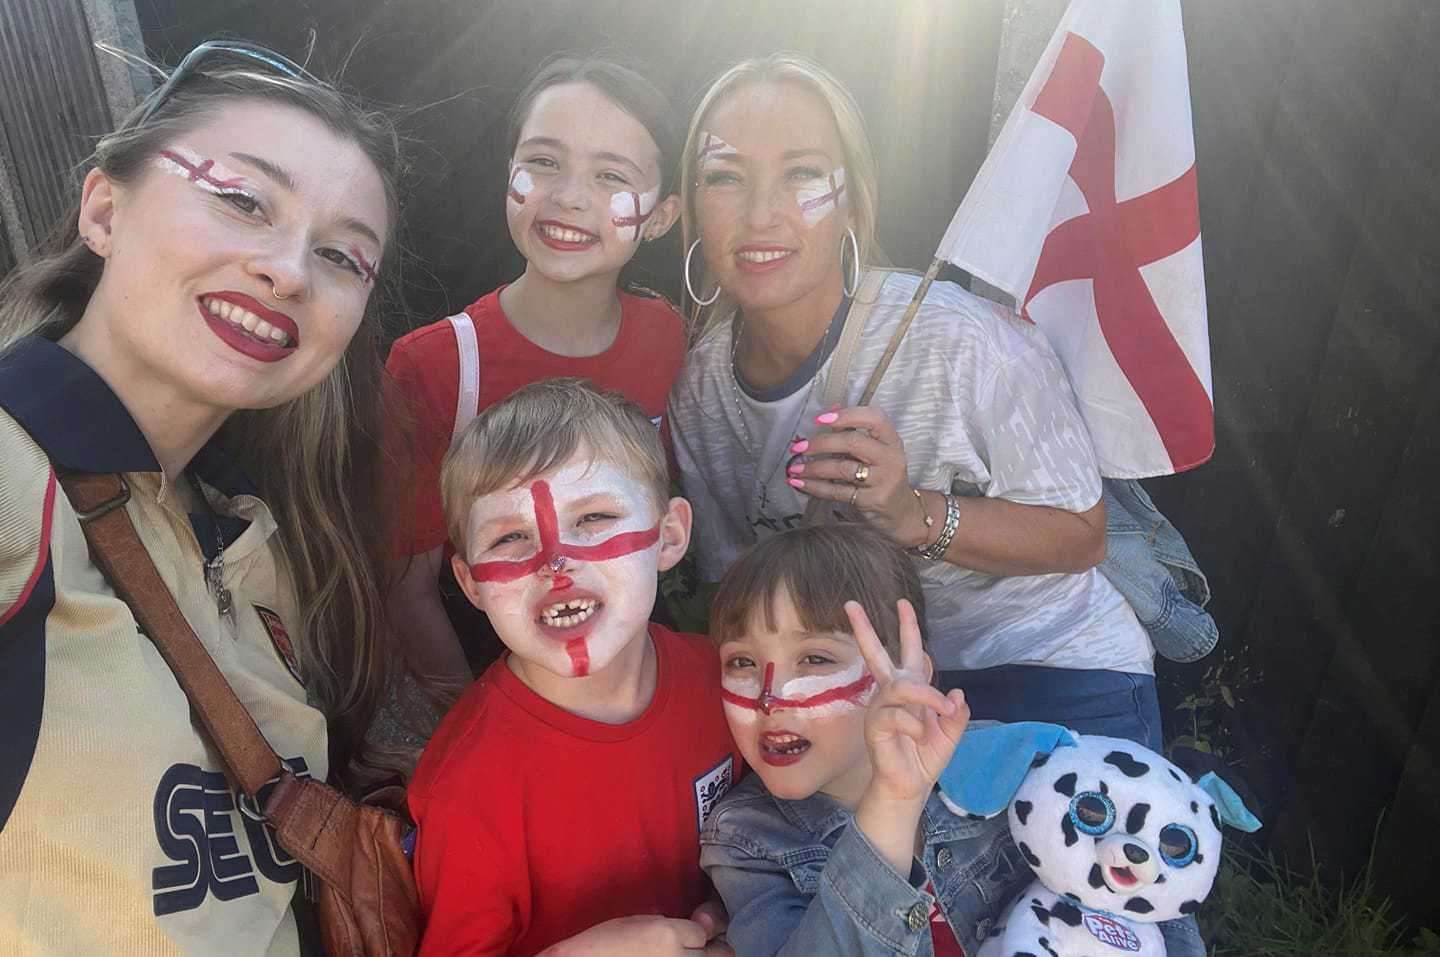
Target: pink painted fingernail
795	483
796	468
827	417
800	446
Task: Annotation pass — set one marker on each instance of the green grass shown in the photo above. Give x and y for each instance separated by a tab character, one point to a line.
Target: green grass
1259	908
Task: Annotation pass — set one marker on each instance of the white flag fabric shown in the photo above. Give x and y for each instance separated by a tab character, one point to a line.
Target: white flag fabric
1086	212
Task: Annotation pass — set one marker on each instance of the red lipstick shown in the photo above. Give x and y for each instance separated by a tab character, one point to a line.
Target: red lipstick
563	245
234	336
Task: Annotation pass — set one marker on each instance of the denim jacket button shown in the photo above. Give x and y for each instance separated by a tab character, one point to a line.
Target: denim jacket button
943	859
918	918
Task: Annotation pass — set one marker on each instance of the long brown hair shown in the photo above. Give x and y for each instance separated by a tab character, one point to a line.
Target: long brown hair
313	457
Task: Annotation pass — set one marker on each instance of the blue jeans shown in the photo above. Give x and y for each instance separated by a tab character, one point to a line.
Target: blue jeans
1116	704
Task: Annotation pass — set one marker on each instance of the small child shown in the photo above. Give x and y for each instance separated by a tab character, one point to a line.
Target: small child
838	844
560	801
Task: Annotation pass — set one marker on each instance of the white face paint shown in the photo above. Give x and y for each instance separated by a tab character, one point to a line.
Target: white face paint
564	567
522	184
821	196
629	211
207	174
804	697
709	146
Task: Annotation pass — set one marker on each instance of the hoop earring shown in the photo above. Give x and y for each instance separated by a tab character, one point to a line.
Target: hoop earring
854	262
691	289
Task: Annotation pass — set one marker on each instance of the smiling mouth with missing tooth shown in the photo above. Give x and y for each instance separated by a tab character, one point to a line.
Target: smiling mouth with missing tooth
566	614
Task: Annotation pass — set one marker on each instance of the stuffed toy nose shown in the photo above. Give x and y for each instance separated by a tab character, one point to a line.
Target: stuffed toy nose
1126	863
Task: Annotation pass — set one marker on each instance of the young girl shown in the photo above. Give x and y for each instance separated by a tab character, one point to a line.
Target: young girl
591	146
838	843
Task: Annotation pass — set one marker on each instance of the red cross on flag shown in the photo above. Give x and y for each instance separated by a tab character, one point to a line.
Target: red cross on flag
1086	212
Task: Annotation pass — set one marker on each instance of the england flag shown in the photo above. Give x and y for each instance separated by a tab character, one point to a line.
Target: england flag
1086	212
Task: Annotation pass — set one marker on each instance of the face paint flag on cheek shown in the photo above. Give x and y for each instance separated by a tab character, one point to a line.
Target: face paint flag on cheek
551	548
631	209
815	696
522	184
821	197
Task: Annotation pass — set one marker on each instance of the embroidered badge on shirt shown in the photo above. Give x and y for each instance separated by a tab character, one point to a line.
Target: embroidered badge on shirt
710	787
280	638
1112	932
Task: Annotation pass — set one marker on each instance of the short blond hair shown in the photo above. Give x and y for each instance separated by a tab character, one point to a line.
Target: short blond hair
861	170
537	429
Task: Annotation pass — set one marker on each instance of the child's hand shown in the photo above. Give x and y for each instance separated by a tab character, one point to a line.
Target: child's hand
627	936
911	729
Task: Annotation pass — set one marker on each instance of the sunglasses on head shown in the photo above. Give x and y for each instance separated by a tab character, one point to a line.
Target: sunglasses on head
214	50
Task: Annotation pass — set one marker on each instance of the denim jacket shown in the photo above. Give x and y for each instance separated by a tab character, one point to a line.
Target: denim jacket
797	881
1148	562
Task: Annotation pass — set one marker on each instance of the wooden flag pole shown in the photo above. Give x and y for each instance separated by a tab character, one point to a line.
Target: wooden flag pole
905	321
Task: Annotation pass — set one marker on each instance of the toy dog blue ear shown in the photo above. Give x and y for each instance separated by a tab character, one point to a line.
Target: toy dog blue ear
989	763
1231	808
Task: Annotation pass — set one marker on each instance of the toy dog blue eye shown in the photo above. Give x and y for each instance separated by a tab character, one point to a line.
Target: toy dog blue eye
1177	845
1092	813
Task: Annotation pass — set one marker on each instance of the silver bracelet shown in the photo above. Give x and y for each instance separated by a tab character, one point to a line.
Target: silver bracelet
936	551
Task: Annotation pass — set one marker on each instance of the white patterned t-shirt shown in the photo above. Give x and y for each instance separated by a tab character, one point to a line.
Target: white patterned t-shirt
984	409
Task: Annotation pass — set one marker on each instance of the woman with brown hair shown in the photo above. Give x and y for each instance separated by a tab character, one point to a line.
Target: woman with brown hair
203	325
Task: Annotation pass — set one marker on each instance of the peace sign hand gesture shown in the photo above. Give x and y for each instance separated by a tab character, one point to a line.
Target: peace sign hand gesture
911	729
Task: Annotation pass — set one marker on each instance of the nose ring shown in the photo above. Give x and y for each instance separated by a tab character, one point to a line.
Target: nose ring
556	564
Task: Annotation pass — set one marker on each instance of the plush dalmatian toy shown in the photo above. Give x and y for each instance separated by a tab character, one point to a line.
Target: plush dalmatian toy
1119	837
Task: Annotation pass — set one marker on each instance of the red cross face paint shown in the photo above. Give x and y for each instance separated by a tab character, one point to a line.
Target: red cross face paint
709	150
809	697
630	211
206	174
522	184
565	565
822	196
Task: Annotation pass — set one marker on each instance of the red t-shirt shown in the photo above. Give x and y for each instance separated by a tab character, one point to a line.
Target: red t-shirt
641	364
536	824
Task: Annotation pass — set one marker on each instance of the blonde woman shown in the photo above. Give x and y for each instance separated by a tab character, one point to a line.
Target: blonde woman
203	324
971	454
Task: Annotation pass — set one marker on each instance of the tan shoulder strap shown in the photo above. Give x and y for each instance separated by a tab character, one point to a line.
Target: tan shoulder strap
860	306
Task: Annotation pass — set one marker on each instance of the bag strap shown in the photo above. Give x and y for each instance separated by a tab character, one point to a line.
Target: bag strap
115	546
467	403
860	307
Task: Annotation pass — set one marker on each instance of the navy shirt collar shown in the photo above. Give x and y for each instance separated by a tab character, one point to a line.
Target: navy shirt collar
82	425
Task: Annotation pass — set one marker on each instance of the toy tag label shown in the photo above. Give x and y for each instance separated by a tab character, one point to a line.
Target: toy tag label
1112	932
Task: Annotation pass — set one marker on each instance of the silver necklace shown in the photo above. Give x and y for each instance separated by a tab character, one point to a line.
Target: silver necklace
762	499
215	567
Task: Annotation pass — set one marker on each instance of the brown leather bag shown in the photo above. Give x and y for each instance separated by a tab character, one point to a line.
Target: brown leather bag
367	904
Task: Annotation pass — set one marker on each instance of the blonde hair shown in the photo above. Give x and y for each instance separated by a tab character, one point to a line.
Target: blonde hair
313	457
539	428
861	172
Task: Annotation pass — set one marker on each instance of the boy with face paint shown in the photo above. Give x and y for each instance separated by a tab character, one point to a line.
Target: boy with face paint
827	691
559	803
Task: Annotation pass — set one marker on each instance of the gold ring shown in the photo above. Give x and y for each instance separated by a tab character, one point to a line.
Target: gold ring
854	492
862	473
